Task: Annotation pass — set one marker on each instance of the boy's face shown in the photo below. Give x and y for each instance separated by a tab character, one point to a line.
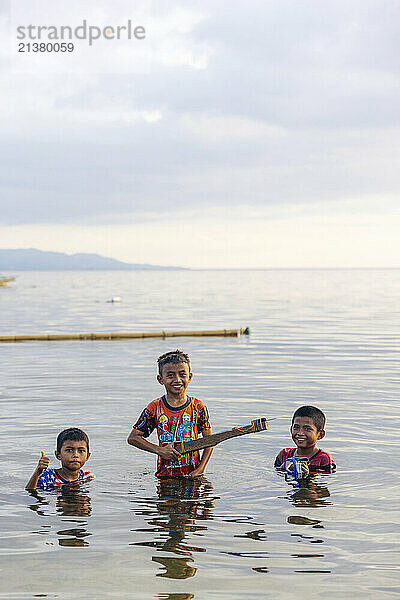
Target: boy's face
304	433
175	377
73	454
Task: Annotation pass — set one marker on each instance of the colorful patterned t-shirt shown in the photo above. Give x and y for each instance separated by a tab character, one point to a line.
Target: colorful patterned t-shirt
175	424
321	461
49	479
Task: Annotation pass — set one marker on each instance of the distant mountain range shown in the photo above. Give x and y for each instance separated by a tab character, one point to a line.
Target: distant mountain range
30	259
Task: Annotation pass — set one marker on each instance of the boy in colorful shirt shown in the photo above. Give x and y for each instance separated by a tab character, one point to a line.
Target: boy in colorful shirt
176	417
73	452
308	425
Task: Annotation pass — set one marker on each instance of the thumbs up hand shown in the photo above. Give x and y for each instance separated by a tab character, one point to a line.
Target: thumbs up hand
43	462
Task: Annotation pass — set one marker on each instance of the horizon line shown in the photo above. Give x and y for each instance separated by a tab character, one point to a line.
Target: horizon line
180	268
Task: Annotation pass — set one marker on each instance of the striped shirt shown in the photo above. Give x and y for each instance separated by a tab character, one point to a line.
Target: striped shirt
50	479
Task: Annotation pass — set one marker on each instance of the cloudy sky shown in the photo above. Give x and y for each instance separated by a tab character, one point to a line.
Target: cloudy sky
247	134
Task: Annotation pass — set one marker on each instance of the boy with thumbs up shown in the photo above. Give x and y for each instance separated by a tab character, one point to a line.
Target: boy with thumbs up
73	452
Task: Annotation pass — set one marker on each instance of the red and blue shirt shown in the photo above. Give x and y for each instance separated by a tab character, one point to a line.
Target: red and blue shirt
49	479
321	461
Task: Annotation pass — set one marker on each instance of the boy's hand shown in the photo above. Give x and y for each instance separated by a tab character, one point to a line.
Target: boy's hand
168	452
304	468
196	473
43	463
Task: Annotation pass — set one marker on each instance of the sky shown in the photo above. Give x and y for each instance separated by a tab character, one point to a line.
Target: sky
256	134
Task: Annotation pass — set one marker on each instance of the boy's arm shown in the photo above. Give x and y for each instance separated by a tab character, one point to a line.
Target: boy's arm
167	452
205	457
279	462
41	466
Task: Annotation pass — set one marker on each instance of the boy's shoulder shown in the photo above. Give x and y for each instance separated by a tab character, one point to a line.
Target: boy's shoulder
154	404
86	476
48	474
323	458
47	479
197	403
285	453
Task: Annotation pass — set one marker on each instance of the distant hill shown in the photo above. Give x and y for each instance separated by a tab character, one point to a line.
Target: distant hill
30	259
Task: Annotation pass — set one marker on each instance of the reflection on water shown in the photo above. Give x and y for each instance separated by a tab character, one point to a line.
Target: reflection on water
306	492
75	537
261	569
298	520
258	534
181	504
175	596
70	502
40	504
175	568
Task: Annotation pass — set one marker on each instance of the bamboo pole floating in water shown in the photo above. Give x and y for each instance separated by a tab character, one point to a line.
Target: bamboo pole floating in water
55	337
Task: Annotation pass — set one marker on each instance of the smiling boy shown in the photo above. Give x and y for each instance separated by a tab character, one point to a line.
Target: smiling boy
176	417
73	452
308	427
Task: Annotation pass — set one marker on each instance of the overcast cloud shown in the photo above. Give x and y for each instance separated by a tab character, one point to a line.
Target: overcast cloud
269	111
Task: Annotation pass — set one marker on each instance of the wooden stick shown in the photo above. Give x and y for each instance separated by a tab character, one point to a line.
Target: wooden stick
5	280
212	440
52	337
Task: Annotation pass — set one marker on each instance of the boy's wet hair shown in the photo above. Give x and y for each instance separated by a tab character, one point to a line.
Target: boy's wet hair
313	413
74	434
175	357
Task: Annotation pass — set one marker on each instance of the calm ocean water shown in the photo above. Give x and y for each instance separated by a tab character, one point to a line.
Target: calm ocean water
329	338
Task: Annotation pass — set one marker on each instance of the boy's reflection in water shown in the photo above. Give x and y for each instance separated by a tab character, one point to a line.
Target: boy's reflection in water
71	501
306	492
175	568
181	504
